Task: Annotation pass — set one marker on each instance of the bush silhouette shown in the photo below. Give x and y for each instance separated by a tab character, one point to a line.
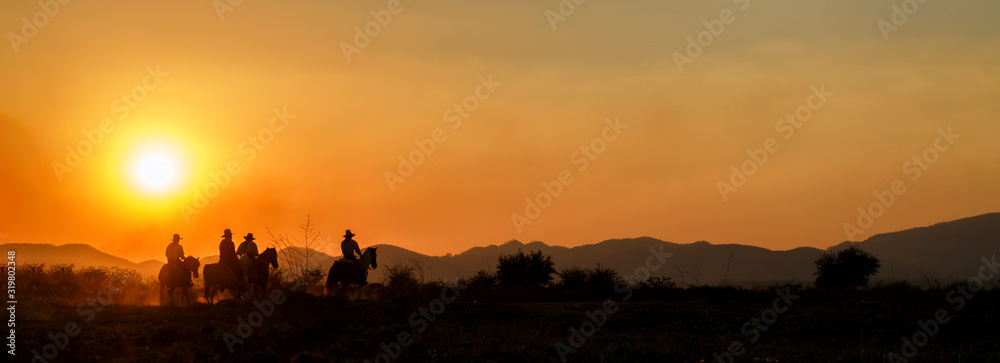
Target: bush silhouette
573	277
400	277
596	277
482	280
849	268
658	283
67	285
533	268
602	277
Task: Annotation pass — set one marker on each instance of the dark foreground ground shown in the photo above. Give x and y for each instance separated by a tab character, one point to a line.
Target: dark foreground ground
699	326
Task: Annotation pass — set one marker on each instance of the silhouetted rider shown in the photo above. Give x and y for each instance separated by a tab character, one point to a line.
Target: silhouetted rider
227	254
247	252
348	247
175	256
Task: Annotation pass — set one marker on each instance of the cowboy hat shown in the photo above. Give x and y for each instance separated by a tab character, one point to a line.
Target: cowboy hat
349	234
227	233
177	237
249	237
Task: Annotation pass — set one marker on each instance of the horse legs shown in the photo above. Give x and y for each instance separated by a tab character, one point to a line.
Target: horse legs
334	289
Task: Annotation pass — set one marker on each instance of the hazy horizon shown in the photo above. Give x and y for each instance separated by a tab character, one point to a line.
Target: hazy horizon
332	248
530	93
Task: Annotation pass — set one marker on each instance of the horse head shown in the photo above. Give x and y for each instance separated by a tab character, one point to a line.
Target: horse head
370	257
192	264
270	256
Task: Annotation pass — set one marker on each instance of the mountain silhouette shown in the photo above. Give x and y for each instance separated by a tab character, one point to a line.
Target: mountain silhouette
78	254
944	252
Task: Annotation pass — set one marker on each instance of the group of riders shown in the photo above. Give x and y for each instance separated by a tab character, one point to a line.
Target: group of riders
239	259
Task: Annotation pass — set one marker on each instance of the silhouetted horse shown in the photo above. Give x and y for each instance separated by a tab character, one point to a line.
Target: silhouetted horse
173	276
345	273
220	277
257	272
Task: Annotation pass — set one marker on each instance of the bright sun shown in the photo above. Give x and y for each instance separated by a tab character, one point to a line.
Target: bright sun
155	170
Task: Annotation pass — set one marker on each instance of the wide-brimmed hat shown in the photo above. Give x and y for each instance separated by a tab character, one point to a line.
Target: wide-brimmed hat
227	233
177	237
249	237
348	234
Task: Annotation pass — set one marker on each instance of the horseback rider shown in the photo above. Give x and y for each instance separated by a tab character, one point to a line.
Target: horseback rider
348	247
247	253
227	254
175	256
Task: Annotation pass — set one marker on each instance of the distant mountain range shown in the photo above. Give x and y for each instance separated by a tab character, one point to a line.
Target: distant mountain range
945	252
74	253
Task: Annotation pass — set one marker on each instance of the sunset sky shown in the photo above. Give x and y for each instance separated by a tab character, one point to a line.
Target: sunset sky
189	88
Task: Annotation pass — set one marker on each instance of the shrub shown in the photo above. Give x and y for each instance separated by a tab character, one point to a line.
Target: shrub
66	285
312	281
573	277
482	280
849	268
658	283
533	268
600	277
400	277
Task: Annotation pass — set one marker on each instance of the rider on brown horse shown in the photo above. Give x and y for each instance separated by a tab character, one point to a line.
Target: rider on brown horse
227	254
348	247
175	256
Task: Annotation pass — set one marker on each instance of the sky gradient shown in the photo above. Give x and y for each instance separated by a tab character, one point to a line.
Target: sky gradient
506	99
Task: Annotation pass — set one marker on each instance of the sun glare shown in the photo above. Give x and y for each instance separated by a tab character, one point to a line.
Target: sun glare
155	170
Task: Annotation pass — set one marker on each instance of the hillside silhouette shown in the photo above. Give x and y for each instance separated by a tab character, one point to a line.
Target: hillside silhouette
944	252
78	254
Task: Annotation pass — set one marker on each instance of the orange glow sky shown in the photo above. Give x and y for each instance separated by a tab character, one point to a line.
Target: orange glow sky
608	59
